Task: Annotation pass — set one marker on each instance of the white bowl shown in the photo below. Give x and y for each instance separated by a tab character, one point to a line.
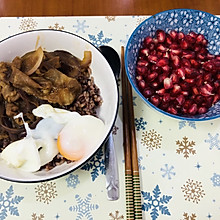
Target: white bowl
51	40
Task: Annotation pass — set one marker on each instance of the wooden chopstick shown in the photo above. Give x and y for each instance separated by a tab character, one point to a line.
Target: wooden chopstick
132	178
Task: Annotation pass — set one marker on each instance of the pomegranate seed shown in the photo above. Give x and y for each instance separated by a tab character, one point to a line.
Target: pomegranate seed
152	76
167	83
199	38
188	54
195	90
190	40
193	109
166	55
184	44
184	86
166	68
161	48
172	110
141	84
164	105
180	99
173	35
144	52
160	35
162	62
185	93
176	61
202	110
176	89
176	51
181	35
148	40
181	73
216	98
148	92
174	77
152	58
194	63
155	99
209	66
142	63
185	62
206	90
141	70
161	77
161	92
199	99
166	97
207	77
190	81
155	84
168	39
139	78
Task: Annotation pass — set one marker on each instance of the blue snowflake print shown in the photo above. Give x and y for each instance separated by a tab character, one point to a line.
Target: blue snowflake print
140	124
80	26
216	180
124	42
155	203
173	18
213	141
139	163
96	165
168	171
99	40
72	180
191	124
83	207
8	203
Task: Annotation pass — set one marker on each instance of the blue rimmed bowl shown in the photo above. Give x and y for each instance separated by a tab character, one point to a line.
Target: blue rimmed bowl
184	20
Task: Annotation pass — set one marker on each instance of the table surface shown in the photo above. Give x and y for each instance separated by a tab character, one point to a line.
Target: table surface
100	7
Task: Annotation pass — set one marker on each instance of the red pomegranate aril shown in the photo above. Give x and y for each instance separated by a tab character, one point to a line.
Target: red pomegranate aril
208	101
216	98
206	90
166	97
176	61
162	62
184	44
152	58
152	76
173	34
166	68
148	92
180	99
176	51
181	35
190	40
188	54
141	70
162	76
185	62
200	38
194	63
176	89
161	48
144	52
193	34
207	77
197	47
184	86
172	110
164	105
174	77
161	92
195	90
142	84
193	109
181	73
168	39
155	84
166	55
199	99
167	82
160	34
155	99
148	40
190	80
202	110
139	78
185	93
142	63
208	65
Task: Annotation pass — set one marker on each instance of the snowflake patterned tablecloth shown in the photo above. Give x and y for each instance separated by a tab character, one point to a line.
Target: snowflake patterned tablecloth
179	161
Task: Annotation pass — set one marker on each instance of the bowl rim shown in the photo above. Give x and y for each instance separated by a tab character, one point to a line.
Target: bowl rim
107	134
135	87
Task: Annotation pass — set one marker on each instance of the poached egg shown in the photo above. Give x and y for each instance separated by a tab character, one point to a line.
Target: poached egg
60	131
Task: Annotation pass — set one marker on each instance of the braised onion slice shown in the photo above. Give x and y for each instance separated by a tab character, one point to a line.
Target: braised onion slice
31	61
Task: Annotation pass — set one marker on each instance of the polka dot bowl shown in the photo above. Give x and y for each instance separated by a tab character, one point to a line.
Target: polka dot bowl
184	20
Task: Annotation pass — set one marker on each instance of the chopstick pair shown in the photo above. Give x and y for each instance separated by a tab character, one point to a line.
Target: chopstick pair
132	178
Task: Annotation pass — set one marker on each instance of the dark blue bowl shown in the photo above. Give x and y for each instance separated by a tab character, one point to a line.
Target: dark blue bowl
184	20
